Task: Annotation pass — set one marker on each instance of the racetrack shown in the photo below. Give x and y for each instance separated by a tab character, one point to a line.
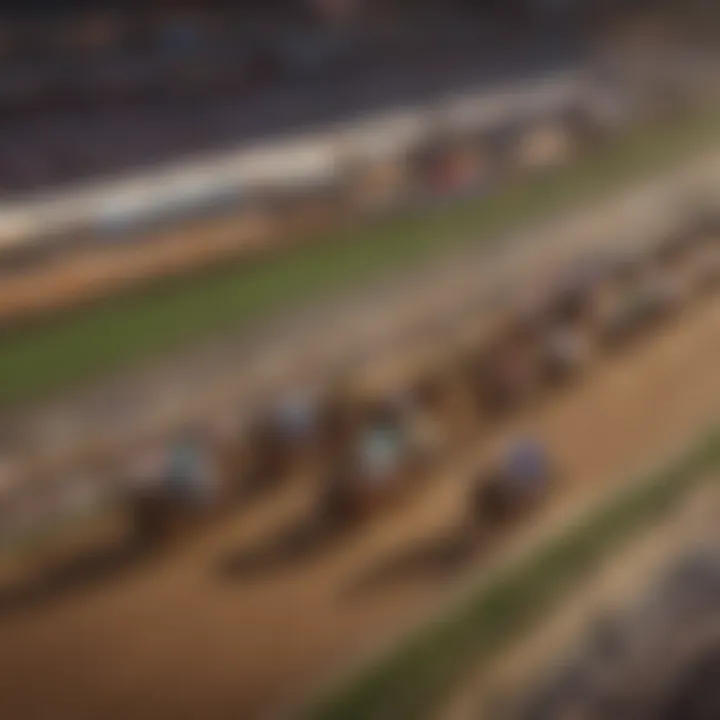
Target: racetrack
323	341
187	637
99	340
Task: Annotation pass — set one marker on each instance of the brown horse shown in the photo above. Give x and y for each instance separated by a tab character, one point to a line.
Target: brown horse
506	373
384	445
510	488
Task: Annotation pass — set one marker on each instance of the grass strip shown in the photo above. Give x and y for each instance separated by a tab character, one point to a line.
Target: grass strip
411	682
82	344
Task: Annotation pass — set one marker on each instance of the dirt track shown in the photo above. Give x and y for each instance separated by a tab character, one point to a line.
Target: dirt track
318	341
89	273
185	638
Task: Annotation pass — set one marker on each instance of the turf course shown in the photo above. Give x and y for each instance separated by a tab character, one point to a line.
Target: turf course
422	673
79	345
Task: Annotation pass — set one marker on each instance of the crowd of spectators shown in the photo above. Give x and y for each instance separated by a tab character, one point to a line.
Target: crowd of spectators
95	92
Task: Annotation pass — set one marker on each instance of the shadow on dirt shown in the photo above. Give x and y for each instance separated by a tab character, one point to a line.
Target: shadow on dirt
437	558
69	577
298	542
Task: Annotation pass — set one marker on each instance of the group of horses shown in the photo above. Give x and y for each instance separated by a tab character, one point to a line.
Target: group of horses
369	441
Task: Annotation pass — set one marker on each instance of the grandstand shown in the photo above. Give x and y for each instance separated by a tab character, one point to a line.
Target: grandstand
94	93
162	107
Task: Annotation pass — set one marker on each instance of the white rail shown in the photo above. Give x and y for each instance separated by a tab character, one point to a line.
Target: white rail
101	207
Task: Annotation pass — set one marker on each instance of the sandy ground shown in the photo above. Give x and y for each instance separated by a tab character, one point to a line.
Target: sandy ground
323	340
85	274
224	627
81	275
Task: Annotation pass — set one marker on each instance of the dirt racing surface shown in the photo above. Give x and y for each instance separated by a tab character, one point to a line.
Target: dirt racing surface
235	624
320	341
84	275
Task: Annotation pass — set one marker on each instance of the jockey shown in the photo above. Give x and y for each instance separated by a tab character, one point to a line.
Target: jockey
191	474
566	346
296	415
380	452
526	464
